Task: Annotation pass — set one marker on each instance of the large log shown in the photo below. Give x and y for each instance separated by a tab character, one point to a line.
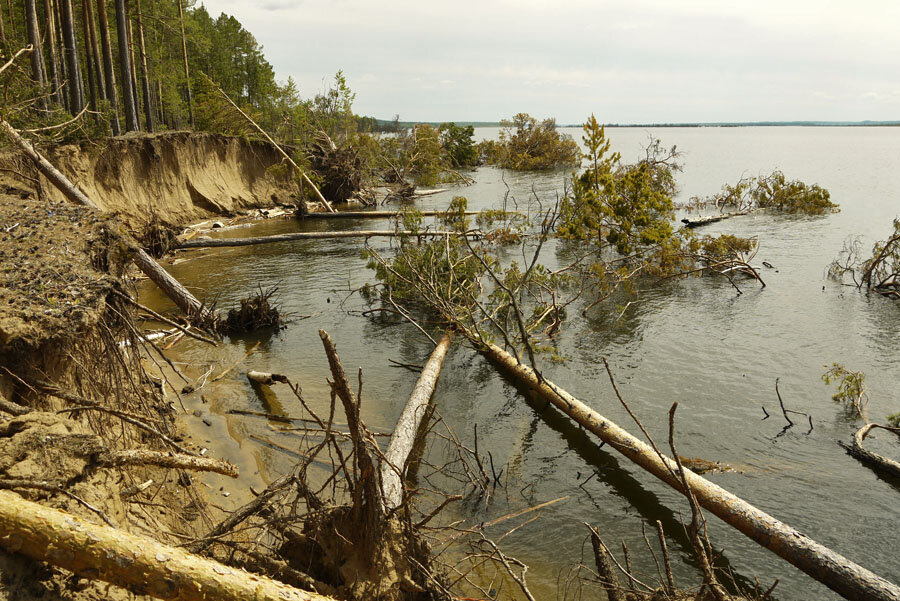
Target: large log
186	301
220	242
402	440
835	571
139	564
379	214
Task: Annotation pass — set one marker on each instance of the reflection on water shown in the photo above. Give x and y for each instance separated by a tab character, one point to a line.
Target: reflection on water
698	342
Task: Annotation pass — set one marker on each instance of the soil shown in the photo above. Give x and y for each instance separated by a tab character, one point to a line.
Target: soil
50	288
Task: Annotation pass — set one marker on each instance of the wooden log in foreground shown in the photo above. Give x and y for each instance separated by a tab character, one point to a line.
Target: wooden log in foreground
401	445
139	564
838	573
220	242
172	287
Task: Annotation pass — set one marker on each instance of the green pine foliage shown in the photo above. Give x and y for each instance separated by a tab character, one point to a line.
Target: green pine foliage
525	144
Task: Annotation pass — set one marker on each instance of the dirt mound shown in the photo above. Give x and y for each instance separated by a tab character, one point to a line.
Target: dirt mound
52	282
182	176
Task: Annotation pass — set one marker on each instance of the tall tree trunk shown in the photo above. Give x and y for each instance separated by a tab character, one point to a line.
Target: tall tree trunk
93	80
38	72
12	21
95	50
145	75
76	91
2	29
187	73
134	86
54	78
108	70
160	103
63	63
131	118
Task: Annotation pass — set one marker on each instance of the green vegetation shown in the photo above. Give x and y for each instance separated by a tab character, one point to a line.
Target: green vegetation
626	206
528	145
773	192
458	143
851	387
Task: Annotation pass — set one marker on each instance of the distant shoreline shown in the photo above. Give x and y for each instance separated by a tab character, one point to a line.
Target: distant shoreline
408	124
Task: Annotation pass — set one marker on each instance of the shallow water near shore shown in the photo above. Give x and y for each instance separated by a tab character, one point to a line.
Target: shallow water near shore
696	342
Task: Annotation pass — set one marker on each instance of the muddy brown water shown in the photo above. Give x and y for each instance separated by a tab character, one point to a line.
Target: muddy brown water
698	342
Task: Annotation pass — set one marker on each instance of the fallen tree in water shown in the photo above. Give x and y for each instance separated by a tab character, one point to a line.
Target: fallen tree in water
137	563
879	273
879	462
224	242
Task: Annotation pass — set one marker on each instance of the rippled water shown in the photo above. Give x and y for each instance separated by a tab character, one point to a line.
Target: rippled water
698	342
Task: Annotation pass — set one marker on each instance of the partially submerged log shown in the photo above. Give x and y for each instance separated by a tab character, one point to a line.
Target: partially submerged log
879	462
378	214
266	378
223	242
700	221
399	448
850	580
136	563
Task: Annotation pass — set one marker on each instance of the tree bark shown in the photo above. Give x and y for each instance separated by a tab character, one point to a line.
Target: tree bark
149	119
108	71
700	221
38	72
131	117
54	77
393	470
187	73
133	73
221	242
832	569
94	46
137	563
169	460
73	70
93	81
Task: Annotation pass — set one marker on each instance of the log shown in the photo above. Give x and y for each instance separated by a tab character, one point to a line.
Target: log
393	470
838	573
378	214
701	221
172	287
136	563
879	462
221	242
268	379
170	460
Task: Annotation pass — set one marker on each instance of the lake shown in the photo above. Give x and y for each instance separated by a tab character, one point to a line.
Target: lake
696	341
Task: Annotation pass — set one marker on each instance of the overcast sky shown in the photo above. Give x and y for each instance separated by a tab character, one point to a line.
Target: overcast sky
636	61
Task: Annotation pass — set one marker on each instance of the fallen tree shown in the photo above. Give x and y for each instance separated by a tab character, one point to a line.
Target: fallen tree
701	221
380	214
393	469
223	242
845	577
878	462
139	564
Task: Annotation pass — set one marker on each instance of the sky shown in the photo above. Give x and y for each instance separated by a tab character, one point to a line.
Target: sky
638	61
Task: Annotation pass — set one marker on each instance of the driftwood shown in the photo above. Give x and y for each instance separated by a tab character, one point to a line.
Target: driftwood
170	460
379	214
404	436
266	378
848	579
220	242
172	287
879	462
701	221
139	564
